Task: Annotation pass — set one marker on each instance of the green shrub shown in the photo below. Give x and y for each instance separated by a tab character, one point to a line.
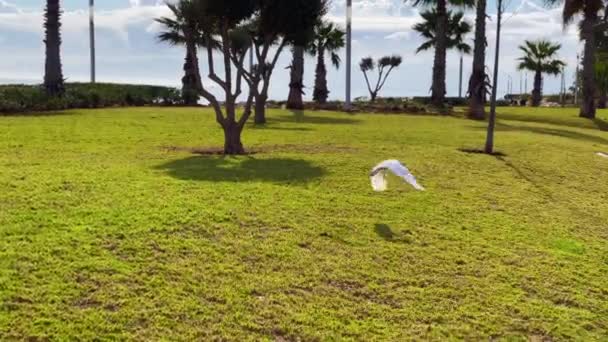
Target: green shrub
32	98
449	101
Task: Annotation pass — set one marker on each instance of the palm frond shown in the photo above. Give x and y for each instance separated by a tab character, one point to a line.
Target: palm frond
335	60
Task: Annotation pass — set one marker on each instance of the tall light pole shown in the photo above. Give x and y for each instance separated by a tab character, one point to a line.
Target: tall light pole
460	78
92	37
349	38
562	87
576	85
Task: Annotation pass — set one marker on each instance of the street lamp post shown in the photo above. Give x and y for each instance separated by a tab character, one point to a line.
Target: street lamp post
349	38
460	77
92	37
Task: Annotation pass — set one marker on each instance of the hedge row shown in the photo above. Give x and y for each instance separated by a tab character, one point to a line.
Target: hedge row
32	98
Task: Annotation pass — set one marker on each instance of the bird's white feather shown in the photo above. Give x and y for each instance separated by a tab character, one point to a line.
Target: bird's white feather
602	154
379	181
379	172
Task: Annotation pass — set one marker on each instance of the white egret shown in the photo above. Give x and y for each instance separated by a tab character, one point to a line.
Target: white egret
379	173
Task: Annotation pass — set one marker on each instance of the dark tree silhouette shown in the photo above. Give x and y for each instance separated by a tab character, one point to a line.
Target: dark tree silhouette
53	74
384	66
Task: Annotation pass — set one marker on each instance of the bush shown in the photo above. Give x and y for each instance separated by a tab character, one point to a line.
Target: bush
449	101
27	98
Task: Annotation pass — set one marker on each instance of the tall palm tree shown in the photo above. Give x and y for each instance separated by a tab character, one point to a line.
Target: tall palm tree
183	29
539	57
327	38
53	74
92	37
601	77
477	82
589	11
457	30
438	89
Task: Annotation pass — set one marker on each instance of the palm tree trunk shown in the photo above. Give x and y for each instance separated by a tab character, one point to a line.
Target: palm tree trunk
489	148
296	84
190	94
53	76
477	87
537	95
438	88
588	34
320	93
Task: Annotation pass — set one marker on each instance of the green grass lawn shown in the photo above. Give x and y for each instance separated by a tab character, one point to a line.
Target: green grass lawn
109	228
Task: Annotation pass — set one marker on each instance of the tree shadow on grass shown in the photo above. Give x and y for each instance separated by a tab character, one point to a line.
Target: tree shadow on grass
279	128
551	131
556	120
601	124
248	169
299	116
41	114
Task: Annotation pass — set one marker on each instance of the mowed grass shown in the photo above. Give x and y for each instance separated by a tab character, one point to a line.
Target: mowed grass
110	229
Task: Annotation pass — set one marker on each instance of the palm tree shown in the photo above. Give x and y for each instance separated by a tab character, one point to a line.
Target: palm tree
457	29
438	89
539	58
296	78
385	64
183	30
53	74
588	9
477	82
601	77
327	38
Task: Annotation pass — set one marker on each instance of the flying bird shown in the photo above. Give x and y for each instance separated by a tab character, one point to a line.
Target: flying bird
380	171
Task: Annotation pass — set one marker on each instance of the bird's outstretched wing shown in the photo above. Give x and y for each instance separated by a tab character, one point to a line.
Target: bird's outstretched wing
378	175
602	154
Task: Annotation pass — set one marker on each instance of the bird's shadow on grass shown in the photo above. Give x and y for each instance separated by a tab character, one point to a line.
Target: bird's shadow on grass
384	231
242	169
502	127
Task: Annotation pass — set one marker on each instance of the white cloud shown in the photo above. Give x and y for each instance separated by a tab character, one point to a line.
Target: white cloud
7	7
400	35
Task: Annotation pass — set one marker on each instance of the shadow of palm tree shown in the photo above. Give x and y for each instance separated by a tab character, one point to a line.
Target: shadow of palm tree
298	116
550	131
221	169
601	124
278	128
556	120
42	114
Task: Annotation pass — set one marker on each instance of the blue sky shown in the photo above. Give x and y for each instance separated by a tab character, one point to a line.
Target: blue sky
128	51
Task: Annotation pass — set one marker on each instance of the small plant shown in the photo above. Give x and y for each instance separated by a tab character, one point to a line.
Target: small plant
384	65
